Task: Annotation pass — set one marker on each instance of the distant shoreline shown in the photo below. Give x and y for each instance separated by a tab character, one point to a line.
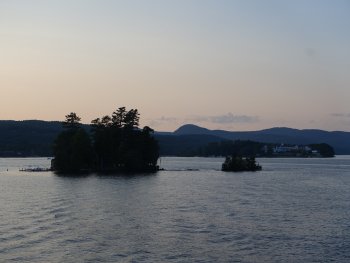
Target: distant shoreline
34	138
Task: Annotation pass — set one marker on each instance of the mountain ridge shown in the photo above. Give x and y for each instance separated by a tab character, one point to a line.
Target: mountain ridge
339	140
188	129
35	138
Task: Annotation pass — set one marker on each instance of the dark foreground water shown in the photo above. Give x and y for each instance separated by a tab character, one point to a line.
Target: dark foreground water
295	210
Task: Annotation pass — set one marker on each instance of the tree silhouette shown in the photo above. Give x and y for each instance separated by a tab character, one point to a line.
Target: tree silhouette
235	163
72	121
131	119
118	117
117	145
72	147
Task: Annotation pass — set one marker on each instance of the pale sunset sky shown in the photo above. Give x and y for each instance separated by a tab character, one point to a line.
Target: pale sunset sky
220	64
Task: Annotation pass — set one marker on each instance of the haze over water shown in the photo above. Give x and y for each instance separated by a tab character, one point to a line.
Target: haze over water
295	210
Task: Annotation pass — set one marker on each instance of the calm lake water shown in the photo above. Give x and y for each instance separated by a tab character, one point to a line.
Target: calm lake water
295	210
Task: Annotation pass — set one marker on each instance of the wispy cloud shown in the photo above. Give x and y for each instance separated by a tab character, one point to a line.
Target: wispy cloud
341	115
227	118
230	118
220	120
163	120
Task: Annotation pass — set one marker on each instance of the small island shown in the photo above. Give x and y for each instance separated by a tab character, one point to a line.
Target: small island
240	164
111	144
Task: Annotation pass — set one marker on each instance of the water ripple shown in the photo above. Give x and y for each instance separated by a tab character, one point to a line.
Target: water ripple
289	212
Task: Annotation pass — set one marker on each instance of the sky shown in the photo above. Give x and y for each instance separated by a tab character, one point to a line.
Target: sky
221	64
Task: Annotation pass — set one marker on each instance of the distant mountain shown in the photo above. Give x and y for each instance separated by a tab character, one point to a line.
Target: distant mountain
35	138
191	129
28	138
340	141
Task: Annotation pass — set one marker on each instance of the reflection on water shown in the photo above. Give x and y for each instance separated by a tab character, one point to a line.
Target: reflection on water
295	210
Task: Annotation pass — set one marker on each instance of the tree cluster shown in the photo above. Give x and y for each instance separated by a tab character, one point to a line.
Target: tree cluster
324	149
113	144
238	164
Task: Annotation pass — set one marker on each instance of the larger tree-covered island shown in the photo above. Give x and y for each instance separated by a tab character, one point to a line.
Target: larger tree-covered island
113	144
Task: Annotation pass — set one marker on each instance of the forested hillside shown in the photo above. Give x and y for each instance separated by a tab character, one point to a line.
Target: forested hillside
28	138
35	138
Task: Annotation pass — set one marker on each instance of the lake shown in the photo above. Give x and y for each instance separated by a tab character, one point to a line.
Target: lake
294	210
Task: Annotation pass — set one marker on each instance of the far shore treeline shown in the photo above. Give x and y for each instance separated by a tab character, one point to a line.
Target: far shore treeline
35	138
113	144
251	148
